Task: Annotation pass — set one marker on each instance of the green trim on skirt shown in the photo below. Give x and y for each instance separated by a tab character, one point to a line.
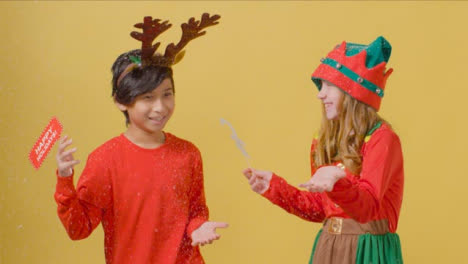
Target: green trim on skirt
374	249
315	244
379	249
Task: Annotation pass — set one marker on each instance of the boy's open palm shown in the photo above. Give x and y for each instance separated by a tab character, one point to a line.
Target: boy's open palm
206	233
65	160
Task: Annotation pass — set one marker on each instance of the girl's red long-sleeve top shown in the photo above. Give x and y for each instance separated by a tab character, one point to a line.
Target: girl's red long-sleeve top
148	200
375	194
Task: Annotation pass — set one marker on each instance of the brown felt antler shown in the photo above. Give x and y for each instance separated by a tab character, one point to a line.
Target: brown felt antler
190	31
151	30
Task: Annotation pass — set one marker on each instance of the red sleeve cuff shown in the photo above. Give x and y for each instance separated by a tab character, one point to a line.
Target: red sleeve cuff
194	224
274	182
65	184
341	189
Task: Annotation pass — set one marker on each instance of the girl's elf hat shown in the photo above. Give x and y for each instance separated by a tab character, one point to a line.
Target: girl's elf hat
357	69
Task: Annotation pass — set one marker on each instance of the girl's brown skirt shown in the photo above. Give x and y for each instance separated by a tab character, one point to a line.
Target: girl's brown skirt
345	241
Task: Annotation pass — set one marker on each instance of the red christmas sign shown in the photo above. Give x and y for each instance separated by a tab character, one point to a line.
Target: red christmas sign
45	142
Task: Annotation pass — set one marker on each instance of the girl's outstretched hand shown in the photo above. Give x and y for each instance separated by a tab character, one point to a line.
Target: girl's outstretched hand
65	160
206	233
324	179
259	180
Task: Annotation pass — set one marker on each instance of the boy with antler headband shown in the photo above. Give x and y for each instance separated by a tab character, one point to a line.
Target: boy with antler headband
146	185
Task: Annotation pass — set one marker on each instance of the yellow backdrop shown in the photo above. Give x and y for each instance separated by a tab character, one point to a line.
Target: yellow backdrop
253	70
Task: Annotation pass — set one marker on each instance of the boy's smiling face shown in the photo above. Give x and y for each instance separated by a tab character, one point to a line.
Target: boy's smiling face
150	111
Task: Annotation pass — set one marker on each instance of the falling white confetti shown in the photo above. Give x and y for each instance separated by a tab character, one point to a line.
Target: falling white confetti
239	142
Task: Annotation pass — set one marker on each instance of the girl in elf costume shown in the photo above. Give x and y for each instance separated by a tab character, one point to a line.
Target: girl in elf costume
356	187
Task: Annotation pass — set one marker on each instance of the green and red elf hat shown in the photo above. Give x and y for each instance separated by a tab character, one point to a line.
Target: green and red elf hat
357	69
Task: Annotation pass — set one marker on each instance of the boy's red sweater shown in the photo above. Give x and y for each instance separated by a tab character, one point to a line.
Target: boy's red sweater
148	200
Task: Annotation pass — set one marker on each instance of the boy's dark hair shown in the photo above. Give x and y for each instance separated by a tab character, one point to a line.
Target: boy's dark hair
136	82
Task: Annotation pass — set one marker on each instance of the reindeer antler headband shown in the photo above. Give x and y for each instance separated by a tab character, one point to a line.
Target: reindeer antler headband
152	29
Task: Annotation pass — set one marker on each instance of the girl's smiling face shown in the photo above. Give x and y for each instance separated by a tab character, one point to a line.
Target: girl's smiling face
331	97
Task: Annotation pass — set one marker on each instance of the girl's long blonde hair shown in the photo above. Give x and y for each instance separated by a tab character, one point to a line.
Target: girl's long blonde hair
342	139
